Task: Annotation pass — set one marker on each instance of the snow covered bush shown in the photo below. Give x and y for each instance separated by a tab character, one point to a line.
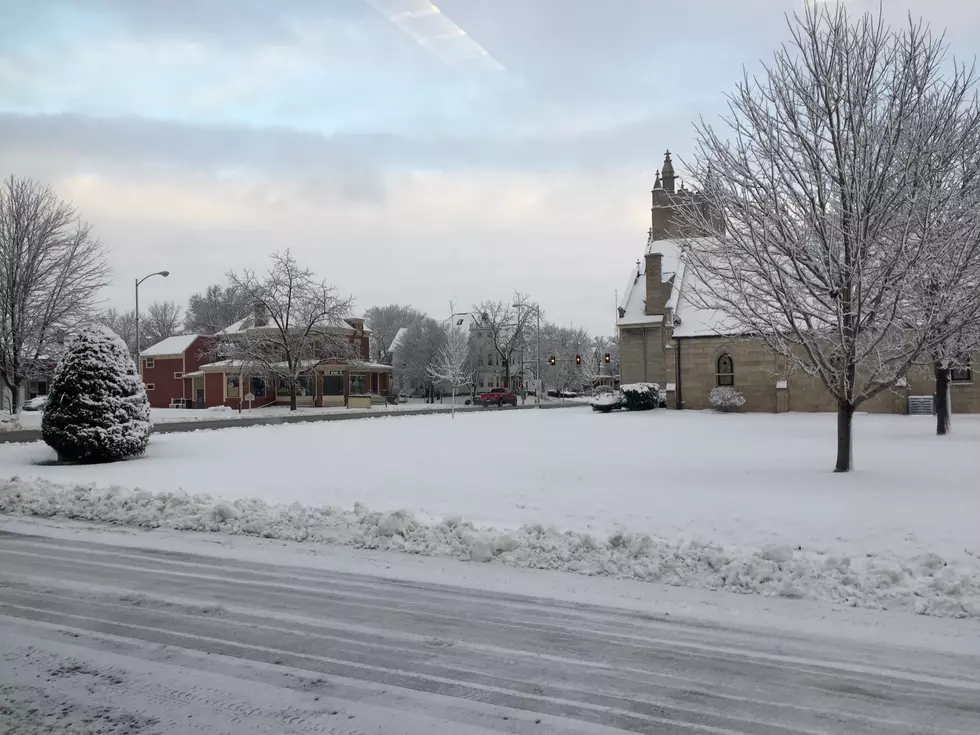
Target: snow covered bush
641	396
97	408
725	398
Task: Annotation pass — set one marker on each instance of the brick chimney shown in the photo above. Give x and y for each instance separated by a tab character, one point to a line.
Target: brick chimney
657	291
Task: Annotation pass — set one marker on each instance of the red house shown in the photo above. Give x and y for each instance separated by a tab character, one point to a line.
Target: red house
176	375
166	363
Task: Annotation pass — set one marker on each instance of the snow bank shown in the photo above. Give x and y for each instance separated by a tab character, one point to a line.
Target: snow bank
926	584
9	422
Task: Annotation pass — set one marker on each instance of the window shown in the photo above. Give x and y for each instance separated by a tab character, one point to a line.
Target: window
333	384
178	375
357	384
149	362
231	386
257	387
962	374
150	386
726	370
490	359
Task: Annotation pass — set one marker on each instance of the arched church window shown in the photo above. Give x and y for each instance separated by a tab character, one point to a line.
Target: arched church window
726	370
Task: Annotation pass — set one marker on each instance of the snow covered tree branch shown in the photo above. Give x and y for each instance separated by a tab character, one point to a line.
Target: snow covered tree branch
297	325
452	363
506	325
845	175
51	272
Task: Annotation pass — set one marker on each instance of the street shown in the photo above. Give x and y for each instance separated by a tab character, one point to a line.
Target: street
108	639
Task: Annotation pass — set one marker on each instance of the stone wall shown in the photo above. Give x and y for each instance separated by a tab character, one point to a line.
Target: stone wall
760	375
642	357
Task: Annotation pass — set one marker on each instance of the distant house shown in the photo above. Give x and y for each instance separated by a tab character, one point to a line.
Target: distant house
166	363
177	373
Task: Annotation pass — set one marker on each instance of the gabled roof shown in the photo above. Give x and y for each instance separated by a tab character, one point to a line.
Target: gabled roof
634	301
691	319
170	346
399	338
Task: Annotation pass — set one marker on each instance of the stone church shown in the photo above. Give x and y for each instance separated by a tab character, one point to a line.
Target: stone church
666	339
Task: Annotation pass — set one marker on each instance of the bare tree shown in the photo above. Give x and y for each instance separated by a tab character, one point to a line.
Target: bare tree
506	325
123	323
298	324
418	351
162	320
832	185
565	344
452	363
51	272
384	323
215	309
591	368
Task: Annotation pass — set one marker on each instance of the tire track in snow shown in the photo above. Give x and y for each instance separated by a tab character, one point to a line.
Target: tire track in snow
528	658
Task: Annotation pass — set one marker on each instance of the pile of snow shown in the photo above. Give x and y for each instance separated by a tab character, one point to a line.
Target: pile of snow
608	399
925	584
9	422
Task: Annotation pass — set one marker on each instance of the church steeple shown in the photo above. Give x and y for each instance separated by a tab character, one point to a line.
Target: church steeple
656	182
668	172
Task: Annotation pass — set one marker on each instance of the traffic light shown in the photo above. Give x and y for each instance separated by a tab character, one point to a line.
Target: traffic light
607	357
578	359
551	360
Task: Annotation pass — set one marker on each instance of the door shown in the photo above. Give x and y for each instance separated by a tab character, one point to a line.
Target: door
199	400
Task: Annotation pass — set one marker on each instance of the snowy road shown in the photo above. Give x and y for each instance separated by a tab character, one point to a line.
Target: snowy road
110	639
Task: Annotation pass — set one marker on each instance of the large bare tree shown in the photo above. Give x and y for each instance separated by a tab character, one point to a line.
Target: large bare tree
298	324
384	323
162	320
51	272
213	310
506	325
123	323
831	171
418	350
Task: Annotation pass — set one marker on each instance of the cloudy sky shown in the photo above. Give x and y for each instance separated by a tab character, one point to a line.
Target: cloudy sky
406	154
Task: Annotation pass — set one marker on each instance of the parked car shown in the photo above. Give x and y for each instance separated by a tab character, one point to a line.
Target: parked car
36	404
607	402
497	397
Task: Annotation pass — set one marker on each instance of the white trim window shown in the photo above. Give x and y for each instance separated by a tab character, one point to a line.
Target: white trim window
178	375
148	362
149	387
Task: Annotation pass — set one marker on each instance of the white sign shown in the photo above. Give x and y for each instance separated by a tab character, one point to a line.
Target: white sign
249	397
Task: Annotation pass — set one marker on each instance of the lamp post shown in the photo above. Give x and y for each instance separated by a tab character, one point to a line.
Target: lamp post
139	360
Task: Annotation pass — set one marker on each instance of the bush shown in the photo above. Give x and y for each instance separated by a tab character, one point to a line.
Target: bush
97	408
641	396
725	399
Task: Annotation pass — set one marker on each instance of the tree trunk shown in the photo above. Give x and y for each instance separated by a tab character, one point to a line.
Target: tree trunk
15	396
942	400
454	402
845	416
292	396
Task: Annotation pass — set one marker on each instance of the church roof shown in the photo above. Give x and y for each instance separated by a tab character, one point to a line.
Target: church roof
691	318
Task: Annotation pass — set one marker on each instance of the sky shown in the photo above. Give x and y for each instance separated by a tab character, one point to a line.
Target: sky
407	153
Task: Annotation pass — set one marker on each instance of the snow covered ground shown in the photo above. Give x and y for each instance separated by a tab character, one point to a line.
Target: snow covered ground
745	503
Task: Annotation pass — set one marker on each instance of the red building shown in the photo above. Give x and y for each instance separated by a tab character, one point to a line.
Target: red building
166	363
176	375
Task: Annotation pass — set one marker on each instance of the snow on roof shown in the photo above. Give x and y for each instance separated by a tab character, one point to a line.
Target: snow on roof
399	338
634	303
170	346
236	326
692	318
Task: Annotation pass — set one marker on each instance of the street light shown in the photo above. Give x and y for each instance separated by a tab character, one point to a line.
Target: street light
139	360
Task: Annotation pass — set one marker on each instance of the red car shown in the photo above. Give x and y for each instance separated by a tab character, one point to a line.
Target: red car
497	397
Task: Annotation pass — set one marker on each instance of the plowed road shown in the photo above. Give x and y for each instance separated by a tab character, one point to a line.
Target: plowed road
108	639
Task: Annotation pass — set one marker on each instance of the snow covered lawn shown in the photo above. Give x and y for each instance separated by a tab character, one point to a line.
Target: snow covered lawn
742	502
